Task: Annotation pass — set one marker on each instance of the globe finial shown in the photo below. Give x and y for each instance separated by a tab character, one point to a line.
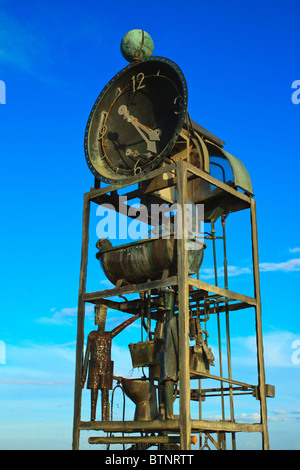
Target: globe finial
136	45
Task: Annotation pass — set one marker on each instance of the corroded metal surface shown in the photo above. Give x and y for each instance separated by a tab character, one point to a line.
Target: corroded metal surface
136	45
145	353
136	120
140	261
98	363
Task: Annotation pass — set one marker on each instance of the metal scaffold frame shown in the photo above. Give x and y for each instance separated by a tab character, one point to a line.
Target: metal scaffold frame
189	290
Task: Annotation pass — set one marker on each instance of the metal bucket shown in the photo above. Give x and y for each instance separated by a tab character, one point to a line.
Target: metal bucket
145	354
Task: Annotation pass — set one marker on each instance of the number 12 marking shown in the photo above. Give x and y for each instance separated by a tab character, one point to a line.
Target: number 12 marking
137	82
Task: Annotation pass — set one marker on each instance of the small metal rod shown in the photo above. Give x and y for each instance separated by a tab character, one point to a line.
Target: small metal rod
215	389
119	385
228	394
214	251
142	296
149	315
97	183
221	364
211	237
213	441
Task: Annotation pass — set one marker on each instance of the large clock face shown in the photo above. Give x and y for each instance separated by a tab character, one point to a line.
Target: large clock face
136	120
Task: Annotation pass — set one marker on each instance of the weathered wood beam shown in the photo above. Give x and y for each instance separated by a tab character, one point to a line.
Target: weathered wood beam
134	440
169	425
183	313
258	321
80	322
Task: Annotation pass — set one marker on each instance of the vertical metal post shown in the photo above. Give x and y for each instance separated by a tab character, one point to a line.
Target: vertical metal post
228	333
183	318
259	340
218	317
80	322
200	411
199	383
221	363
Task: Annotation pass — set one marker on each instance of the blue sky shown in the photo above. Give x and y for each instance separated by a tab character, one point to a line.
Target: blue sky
240	60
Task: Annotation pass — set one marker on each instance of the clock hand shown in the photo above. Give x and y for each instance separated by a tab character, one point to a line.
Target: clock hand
136	153
153	135
130	152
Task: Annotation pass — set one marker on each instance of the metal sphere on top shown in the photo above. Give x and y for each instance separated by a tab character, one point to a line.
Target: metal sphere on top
136	45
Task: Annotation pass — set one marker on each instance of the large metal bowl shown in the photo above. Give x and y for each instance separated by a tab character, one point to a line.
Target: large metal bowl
144	260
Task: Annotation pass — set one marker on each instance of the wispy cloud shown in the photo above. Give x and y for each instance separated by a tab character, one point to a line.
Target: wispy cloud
284	415
39	364
68	316
294	250
292	265
248	417
36	382
209	273
279	412
62	317
65	316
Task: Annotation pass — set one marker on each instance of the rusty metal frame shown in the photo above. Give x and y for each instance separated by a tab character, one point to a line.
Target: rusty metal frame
186	284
